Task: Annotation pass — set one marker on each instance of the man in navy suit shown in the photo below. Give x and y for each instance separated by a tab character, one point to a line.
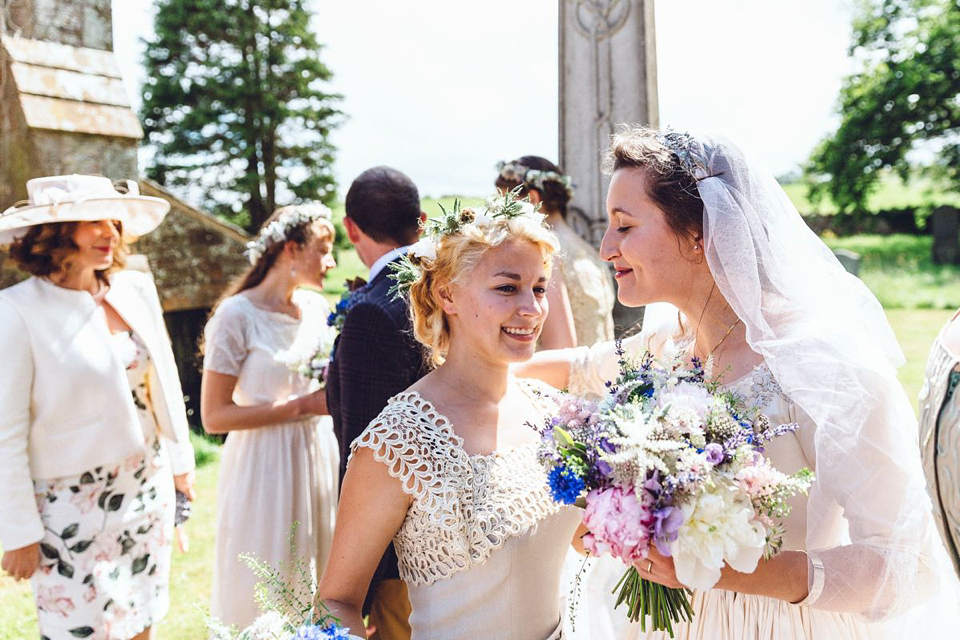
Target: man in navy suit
376	355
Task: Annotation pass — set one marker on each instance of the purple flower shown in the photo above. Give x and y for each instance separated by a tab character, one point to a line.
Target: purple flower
666	524
714	453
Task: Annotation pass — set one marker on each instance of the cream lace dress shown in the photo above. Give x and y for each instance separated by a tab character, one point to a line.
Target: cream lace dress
277	490
483	543
719	614
589	287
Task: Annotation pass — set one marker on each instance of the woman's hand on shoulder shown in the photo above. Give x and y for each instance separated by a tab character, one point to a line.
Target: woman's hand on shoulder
23	562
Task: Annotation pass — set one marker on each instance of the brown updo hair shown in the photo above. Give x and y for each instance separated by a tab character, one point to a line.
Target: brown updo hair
669	185
457	255
553	194
300	235
48	248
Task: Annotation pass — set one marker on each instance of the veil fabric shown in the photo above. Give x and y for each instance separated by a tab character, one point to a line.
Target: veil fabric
826	340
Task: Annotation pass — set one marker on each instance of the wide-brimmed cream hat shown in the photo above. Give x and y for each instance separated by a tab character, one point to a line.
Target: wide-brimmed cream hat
82	198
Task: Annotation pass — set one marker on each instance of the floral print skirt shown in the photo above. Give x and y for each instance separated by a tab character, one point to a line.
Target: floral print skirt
105	558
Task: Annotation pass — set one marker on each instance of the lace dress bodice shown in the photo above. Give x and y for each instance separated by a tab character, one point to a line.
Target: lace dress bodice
483	541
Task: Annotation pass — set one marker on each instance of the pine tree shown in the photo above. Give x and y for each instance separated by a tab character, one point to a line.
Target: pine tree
235	108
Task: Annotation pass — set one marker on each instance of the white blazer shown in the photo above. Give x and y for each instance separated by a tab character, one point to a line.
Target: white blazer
65	404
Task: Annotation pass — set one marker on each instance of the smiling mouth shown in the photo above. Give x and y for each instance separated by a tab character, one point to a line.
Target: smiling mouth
620	272
521	333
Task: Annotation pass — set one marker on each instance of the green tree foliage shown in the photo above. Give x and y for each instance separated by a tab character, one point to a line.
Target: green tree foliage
234	106
906	95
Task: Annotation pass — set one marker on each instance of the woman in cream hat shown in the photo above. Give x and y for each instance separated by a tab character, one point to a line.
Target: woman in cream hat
93	429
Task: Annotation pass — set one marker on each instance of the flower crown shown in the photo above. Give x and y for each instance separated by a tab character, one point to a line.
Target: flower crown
686	148
535	178
497	209
279	229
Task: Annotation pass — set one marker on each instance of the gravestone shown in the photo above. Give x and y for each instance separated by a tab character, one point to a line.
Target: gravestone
945	227
607	77
850	260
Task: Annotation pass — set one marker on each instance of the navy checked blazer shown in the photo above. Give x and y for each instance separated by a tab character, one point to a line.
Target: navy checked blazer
374	358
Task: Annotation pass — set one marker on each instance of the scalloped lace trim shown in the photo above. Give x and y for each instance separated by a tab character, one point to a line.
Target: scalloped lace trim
464	507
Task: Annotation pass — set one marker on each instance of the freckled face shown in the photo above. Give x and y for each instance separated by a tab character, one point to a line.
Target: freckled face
96	241
652	264
497	310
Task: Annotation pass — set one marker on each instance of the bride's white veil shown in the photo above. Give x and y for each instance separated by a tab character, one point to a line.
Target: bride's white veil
827	341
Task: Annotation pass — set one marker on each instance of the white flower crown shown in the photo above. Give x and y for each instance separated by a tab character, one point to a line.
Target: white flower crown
279	230
497	209
516	172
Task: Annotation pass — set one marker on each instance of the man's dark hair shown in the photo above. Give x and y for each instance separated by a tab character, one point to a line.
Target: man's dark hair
385	205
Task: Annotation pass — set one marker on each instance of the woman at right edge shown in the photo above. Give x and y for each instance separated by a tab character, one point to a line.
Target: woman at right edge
776	318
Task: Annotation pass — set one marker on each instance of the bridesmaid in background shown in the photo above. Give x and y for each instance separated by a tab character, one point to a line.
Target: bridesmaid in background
581	292
277	491
940	434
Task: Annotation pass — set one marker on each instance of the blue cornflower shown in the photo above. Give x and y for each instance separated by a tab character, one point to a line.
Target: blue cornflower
317	632
565	485
339	313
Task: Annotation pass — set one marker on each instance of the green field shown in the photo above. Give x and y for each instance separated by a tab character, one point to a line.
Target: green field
891	193
901	273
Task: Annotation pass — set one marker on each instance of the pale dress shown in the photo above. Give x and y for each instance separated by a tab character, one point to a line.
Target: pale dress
277	490
940	441
105	557
719	614
589	287
482	546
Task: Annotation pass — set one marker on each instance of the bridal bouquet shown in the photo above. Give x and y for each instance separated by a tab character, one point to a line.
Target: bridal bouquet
669	460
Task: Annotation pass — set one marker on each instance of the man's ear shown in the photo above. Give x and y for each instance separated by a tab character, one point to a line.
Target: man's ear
353	231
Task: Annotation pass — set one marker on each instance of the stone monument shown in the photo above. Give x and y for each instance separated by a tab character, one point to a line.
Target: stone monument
608	76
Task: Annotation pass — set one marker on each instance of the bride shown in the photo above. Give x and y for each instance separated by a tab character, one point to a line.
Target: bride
769	309
449	468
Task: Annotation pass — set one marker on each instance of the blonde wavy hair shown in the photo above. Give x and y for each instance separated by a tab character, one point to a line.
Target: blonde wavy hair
457	255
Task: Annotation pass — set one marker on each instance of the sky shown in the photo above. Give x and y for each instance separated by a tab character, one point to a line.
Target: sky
443	89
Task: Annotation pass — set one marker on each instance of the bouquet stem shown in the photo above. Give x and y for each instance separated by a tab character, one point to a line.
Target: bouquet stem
664	605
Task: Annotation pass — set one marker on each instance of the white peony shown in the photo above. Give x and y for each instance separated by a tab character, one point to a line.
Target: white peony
686	395
718	527
425	249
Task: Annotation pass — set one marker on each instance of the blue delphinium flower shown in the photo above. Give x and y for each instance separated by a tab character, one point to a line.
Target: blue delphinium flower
565	485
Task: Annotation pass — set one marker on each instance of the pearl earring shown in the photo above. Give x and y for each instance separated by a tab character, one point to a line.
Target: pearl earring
696	247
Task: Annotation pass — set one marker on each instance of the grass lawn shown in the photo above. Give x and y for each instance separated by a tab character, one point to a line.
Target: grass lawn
900	271
191	573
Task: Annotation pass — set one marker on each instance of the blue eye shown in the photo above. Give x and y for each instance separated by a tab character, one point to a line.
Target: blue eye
507	288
